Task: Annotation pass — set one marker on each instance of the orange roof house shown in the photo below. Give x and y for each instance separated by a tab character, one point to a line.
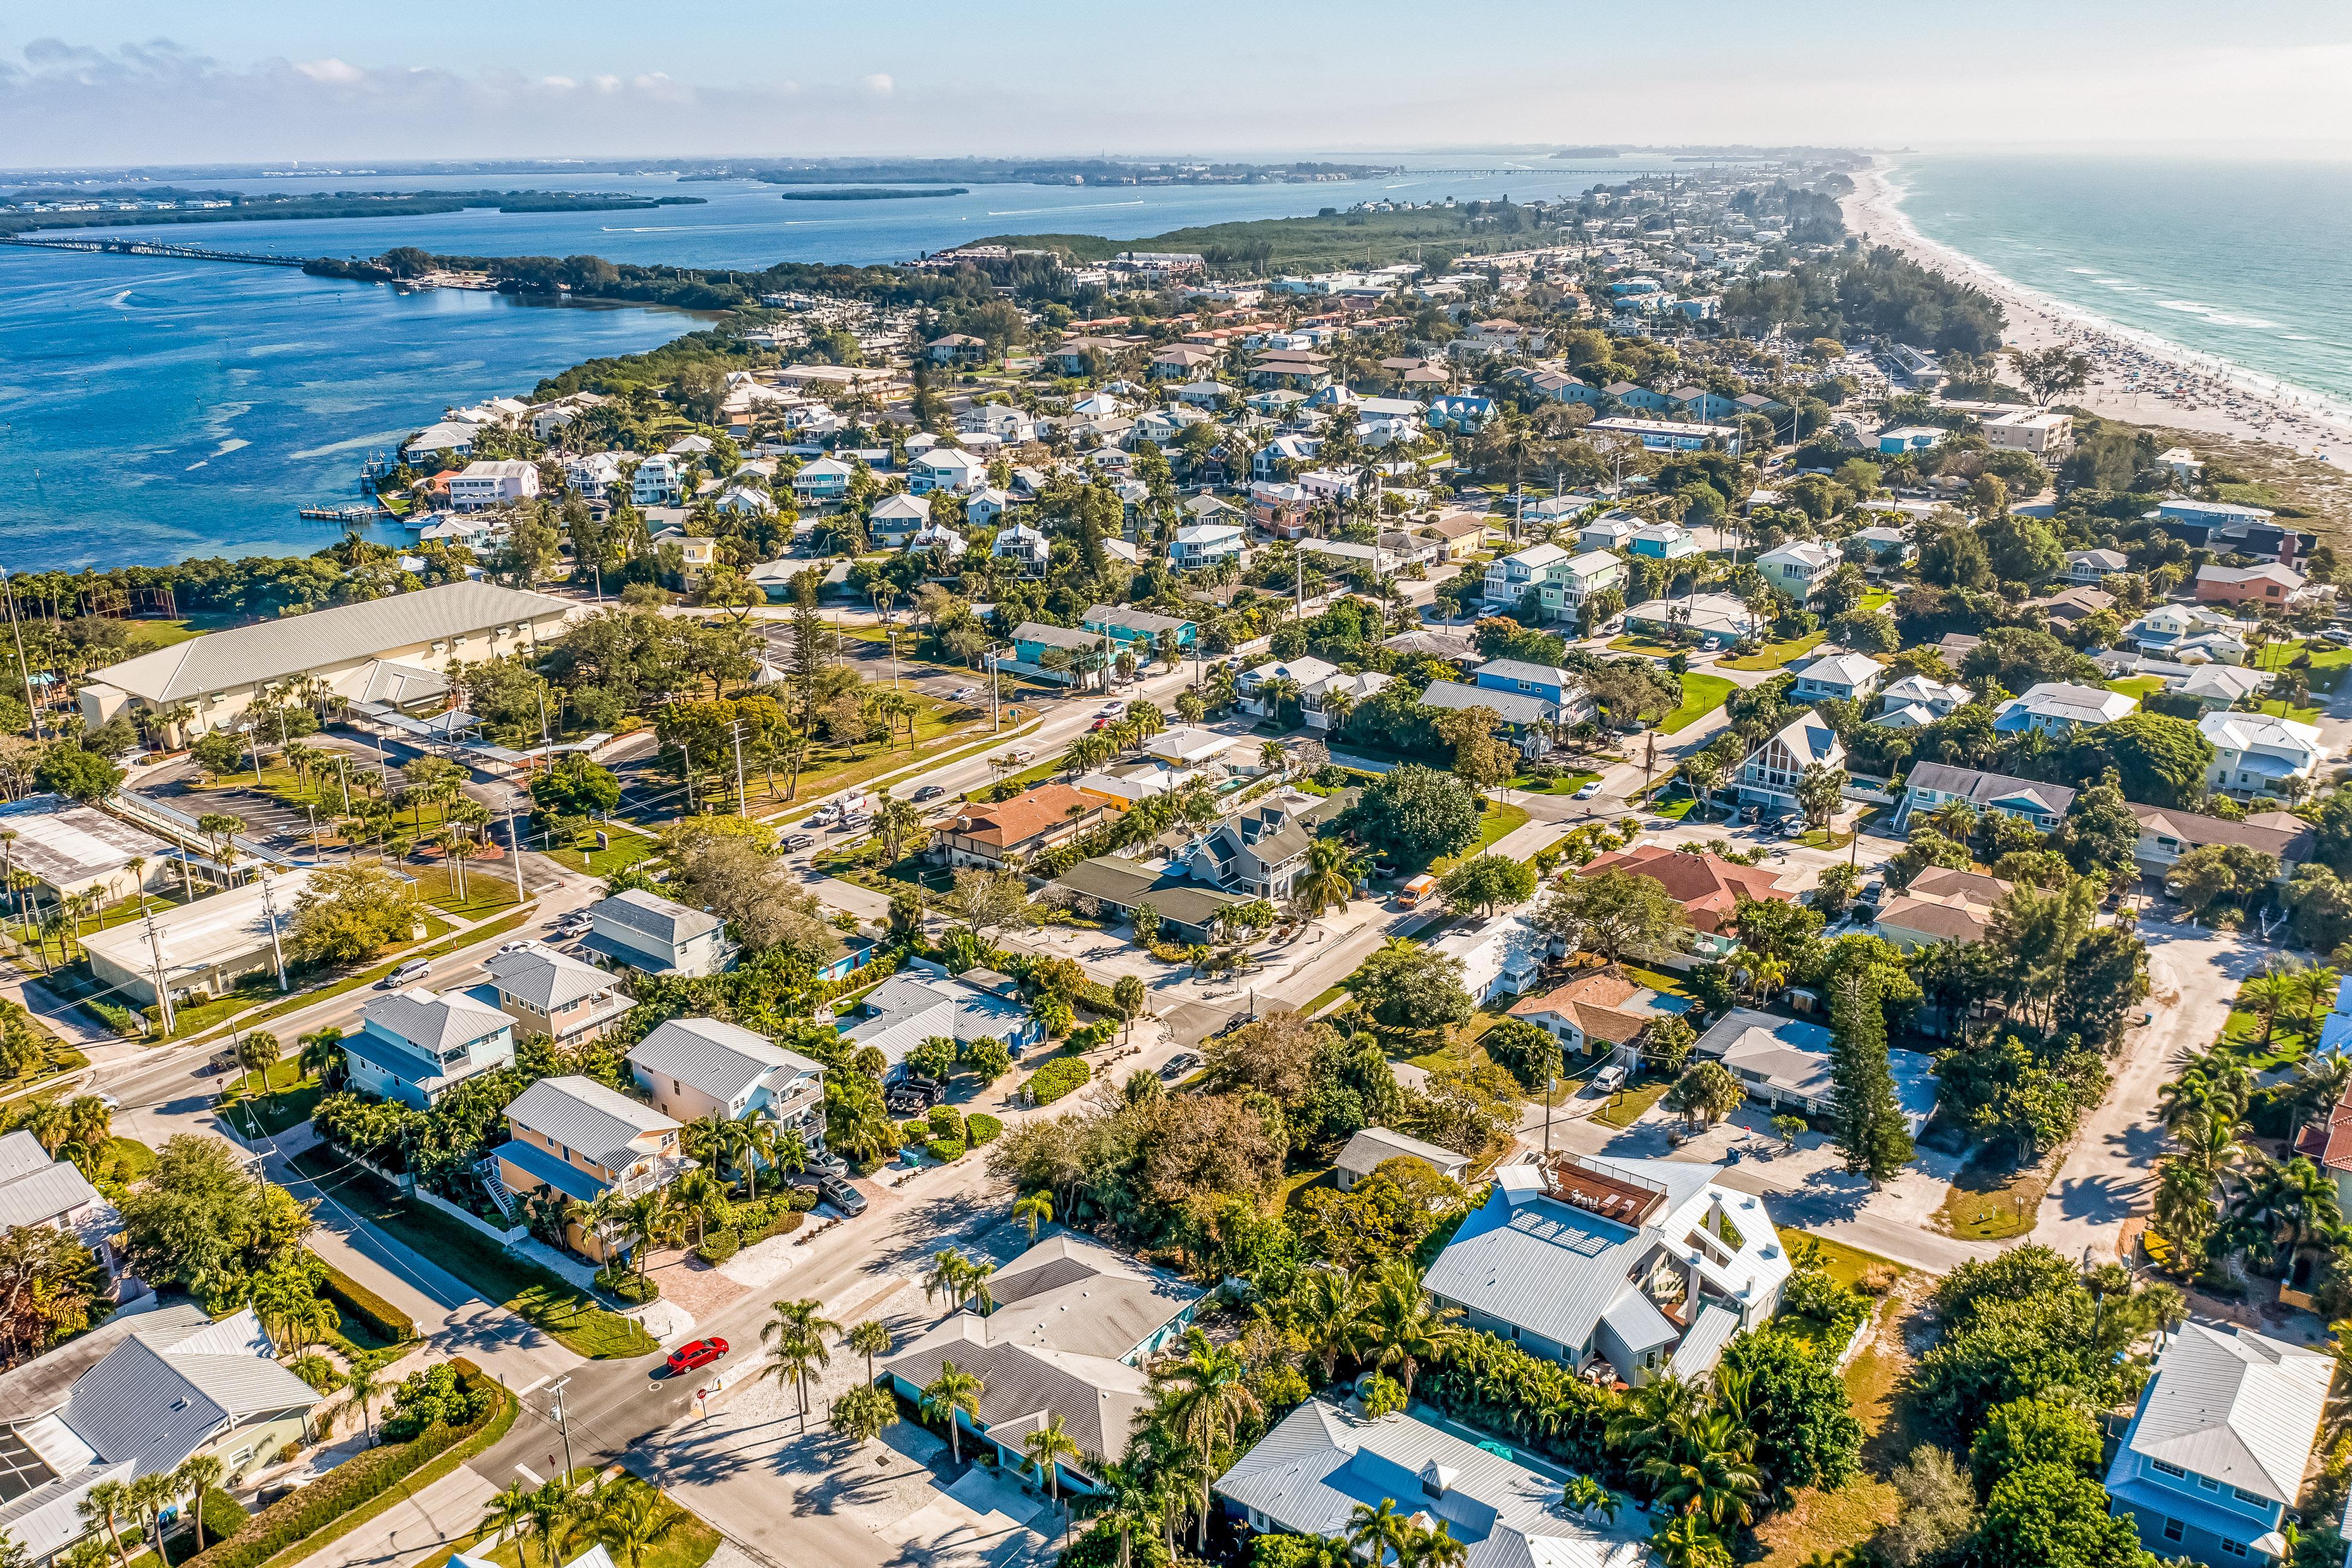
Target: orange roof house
1708	886
1600	1008
995	836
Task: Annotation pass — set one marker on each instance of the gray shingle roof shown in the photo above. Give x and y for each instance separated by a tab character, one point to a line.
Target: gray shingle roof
1979	788
221	661
2239	1406
1371	1145
581	1113
1511	707
721	1059
1055	637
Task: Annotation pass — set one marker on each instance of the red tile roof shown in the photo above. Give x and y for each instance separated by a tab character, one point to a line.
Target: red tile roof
1707	886
1010	823
2331	1145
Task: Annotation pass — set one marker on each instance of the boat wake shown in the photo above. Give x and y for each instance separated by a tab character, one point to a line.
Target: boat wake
1079	207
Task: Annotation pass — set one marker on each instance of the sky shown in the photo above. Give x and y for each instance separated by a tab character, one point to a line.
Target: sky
110	83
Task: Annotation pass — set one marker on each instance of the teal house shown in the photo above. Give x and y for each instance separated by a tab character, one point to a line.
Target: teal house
1138	629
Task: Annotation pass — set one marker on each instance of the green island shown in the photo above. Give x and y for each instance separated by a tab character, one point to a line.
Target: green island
240	208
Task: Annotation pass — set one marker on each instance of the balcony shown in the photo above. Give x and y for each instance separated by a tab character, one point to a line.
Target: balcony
800	1101
650	1176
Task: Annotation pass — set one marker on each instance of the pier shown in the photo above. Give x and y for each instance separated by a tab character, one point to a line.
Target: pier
348	514
153	247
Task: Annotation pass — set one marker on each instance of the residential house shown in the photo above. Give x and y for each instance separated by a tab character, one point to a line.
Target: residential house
2255	754
1559	687
1932	785
1564	590
139	1395
1664	542
1662	436
1321	1464
553	994
571	1136
1034	640
1372	1147
945	468
1004	835
2172	631
1179	362
1460	413
2269	584
1453	646
1697	403
487	484
36	1189
413	1045
1138	631
1509	580
696	1067
1879	545
1904	439
895	518
1600	1011
1261	851
1023	544
1527	719
1069	1326
1204	545
2058	707
696	554
2167	834
1188	913
659	480
821	481
958	348
2071	606
658	936
2219	1446
1767	779
1707	887
1713	620
1610	531
942	542
988	507
1838	674
1786	1061
1798	568
2094	566
1942	905
925	1002
1501	955
2037	433
1647	1266
1937	698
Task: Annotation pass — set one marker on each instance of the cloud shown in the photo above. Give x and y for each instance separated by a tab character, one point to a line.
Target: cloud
331	70
879	83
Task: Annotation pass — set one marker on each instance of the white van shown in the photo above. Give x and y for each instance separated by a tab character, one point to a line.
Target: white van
408	973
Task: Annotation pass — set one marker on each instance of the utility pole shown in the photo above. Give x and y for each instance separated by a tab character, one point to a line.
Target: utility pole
277	950
163	991
514	841
689	776
564	1425
8	586
735	734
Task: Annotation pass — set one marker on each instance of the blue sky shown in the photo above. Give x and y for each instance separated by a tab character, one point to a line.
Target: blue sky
109	81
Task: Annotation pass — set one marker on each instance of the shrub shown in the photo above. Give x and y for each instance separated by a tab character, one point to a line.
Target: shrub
355	1300
1490	1382
981	1128
224	1516
943	1149
1383	1395
350	1485
435	1396
947	1123
1095	998
1096	1034
122	1020
719	1246
1057	1078
801	1200
623	1284
782	1225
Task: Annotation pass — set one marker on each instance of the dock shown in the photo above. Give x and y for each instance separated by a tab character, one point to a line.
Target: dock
349	514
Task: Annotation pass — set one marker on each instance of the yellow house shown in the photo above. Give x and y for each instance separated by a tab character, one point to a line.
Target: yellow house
574	1136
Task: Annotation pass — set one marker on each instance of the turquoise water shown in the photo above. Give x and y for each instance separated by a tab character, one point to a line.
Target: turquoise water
152	410
2243	261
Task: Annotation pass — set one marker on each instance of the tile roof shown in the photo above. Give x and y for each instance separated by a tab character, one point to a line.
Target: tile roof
582	1114
1707	886
723	1060
272	650
1032	812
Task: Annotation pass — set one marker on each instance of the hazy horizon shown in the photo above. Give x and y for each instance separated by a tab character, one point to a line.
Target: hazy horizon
137	83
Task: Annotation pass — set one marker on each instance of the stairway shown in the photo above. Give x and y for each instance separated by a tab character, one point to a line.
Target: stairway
486	1169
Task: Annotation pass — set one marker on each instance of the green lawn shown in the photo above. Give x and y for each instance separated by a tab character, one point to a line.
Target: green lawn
148	635
488	887
539	1297
2139	687
1626	1106
1847	1265
2277	709
284	1097
1498	821
1702	695
1773	656
627	847
1632	642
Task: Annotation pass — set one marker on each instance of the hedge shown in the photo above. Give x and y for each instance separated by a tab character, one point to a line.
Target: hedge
982	1128
353	1300
352	1484
1061	1076
944	1150
623	1283
1490	1382
1095	998
782	1224
719	1246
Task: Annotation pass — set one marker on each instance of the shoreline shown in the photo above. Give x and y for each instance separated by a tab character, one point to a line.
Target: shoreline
2138	378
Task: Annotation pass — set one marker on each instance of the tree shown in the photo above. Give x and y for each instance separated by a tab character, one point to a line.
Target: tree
2048	1516
1796	1404
196	1475
574	786
1034	1210
1047	1447
104	1502
863	1413
1406	986
1707	1092
2213	874
1330	878
1486	882
1203	1395
797	1337
48	1284
203	1222
869	1339
348	913
1611	913
1404	1330
1939	1510
2158	760
1819	791
2056	1430
636	1521
1131	997
992	901
1415	814
1666	1043
1870	1131
947	1396
79	776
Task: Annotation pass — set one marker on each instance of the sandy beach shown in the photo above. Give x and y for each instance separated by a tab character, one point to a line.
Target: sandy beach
2138	377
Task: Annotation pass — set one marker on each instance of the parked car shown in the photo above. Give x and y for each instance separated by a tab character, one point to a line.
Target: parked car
1111	709
798	842
408	973
505	947
842	1196
1609	1080
695	1355
963	694
928	792
1588	791
1179	1064
579	924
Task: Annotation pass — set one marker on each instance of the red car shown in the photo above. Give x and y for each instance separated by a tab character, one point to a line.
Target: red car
695	1354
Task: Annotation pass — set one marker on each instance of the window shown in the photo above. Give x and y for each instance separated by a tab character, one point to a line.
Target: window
2234	1548
2255	1497
2174	1530
2160	1467
2208	1483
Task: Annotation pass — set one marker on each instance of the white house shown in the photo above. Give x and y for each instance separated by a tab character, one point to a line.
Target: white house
945	469
1769	777
659	481
2059	706
648	932
1840	674
1022	543
486	484
1939	698
943	541
823	479
1204	545
2254	753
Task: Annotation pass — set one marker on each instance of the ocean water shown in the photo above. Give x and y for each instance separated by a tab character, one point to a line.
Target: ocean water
152	410
2241	261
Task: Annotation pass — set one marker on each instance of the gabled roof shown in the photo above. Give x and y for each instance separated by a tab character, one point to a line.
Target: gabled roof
1372	1145
155	1399
1810	740
650	914
1511	707
1034	810
1707	886
582	1114
35	1189
723	1060
245	655
1842	669
2289	844
545	979
432	1022
1132	619
2239	1406
1980	788
2076	704
1520	670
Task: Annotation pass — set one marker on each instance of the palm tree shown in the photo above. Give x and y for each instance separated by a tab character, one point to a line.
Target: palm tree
1322	1310
1124	1500
870	1339
648	1218
509	1513
1641	1418
149	1496
799	1334
196	1475
1583	1496
1431	1546
896	821
320	1052
550	1507
104	1502
2268	994
636	1521
701	1194
1404	1330
1685	1543
2313	986
365	1386
1204	1397
951	1271
865	1413
947	1395
1330	875
1375	1529
257	1053
1707	1473
1047	1447
1033	1211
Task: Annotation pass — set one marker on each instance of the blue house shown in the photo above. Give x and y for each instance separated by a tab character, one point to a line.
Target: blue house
1908	438
1554	685
1461	412
413	1045
1070	1325
1138	629
2215	1454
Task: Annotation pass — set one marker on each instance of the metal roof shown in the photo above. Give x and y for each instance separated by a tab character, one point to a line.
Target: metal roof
432	1022
39	1196
652	915
545	978
1371	1145
2236	1405
723	1060
156	1399
248	655
582	1114
1980	788
561	1174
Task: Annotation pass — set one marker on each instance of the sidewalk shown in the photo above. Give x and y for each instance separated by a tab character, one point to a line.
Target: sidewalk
427	1521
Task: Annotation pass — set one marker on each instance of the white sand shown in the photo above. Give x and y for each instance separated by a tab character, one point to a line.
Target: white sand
2137	376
